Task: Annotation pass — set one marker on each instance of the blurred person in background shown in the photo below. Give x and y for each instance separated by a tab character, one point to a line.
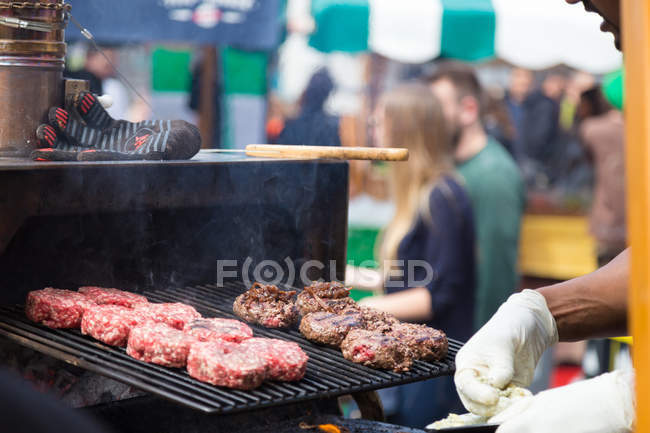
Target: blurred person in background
520	85
313	126
554	84
578	83
99	72
601	132
569	170
493	182
498	121
95	69
433	223
540	124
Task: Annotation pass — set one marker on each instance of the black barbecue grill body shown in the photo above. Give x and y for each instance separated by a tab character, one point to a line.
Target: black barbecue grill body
160	229
139	225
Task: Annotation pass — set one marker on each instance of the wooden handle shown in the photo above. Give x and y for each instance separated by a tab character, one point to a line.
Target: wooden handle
326	152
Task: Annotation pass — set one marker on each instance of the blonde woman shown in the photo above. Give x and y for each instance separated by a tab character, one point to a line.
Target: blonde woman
431	234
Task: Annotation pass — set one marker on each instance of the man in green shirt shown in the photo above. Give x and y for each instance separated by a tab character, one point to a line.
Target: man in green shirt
493	182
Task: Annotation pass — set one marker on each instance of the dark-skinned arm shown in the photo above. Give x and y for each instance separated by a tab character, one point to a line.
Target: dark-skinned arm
594	305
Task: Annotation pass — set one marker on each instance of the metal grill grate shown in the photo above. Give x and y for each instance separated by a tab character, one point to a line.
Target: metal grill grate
328	373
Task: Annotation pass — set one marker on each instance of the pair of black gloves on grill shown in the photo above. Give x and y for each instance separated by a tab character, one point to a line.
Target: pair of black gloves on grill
88	133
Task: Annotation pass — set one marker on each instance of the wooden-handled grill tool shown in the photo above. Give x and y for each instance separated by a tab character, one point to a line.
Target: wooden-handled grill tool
319	152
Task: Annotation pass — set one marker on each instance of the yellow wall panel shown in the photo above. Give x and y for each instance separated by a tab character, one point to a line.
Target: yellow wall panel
555	246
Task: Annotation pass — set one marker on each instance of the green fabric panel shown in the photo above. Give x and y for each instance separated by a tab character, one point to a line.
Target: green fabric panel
359	294
226	124
340	25
244	72
614	88
171	70
495	187
361	244
361	248
468	28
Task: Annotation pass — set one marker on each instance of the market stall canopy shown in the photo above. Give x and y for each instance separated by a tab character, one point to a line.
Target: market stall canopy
529	33
247	24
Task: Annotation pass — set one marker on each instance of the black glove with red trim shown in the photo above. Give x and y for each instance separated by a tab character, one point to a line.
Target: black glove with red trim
89	133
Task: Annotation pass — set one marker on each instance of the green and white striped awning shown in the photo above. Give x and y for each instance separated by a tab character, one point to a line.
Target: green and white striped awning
530	33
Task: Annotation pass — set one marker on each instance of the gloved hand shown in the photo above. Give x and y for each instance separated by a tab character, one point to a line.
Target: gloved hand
504	352
90	133
604	404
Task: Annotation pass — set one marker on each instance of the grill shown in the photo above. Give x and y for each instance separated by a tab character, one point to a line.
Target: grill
328	373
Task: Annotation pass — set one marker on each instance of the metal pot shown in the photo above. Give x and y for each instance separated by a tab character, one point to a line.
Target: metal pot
31	72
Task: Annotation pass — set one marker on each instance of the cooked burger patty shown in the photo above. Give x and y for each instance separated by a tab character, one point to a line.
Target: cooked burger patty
174	314
218	329
56	308
330	328
376	350
111	324
376	320
326	291
102	295
267	305
286	361
308	305
226	364
159	343
426	343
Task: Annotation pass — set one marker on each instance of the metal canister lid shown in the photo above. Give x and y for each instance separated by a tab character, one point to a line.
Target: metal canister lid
20	22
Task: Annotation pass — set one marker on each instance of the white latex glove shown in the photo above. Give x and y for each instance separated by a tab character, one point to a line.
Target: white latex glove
504	352
604	404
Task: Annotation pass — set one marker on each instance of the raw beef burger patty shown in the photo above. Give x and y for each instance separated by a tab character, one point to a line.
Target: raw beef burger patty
226	364
376	350
102	295
266	305
330	328
159	343
56	308
111	324
174	314
426	343
286	361
328	292
218	329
